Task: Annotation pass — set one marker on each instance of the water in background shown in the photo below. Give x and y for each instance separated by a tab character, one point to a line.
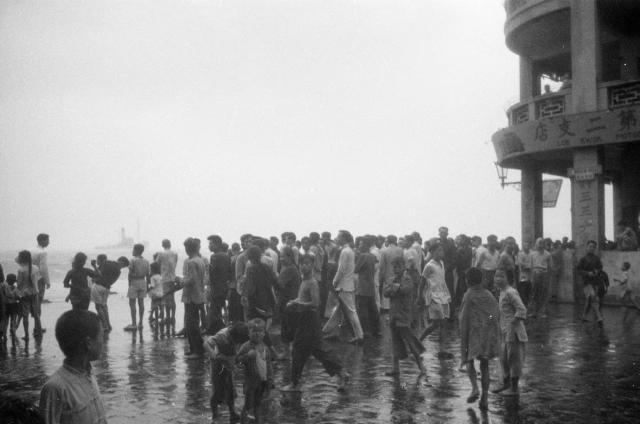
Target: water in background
573	373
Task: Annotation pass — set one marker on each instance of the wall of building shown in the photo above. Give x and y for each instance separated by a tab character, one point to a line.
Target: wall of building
569	287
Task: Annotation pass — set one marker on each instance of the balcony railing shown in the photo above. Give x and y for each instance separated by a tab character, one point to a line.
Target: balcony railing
550	106
624	95
540	107
611	95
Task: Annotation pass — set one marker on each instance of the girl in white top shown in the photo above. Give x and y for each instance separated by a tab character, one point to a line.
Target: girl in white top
434	291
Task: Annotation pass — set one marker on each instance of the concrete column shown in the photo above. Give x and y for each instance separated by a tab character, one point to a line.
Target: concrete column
526	78
531	192
629	187
584	56
617	203
587	200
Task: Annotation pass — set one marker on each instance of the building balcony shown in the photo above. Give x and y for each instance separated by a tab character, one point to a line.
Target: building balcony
611	95
546	128
540	107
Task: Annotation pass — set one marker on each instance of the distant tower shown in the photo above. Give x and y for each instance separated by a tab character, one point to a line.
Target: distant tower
588	129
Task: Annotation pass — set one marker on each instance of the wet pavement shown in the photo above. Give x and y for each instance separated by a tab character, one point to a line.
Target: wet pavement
574	372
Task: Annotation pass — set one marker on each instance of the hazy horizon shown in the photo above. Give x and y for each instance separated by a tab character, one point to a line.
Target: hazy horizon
200	118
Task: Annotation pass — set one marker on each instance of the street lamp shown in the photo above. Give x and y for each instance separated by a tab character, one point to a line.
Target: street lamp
502	176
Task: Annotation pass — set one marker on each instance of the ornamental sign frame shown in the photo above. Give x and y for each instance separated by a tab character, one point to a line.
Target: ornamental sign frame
621	125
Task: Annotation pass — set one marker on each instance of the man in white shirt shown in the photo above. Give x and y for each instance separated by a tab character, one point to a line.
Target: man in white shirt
344	286
39	260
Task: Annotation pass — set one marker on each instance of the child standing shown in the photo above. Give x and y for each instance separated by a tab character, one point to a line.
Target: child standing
479	333
156	314
514	335
626	291
10	299
434	292
221	347
400	293
255	357
301	328
27	280
76	280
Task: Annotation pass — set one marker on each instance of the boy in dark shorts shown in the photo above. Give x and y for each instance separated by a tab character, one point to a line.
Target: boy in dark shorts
221	347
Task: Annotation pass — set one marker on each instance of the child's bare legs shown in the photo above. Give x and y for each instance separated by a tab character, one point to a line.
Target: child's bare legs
4	324
140	311
484	371
171	319
14	325
132	308
473	379
395	367
25	324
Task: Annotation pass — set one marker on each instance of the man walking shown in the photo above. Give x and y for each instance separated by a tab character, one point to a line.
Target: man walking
344	287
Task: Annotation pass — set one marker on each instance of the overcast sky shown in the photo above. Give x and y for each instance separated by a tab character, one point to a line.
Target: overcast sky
202	117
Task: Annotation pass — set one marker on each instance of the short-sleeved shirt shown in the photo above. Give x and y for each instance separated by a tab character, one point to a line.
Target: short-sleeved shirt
437	290
71	396
156	287
168	260
194	273
540	261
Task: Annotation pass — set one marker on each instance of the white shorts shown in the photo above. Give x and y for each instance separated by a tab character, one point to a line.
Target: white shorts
99	294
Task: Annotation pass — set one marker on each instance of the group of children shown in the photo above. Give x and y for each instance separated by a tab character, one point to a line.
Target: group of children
10	312
243	344
19	298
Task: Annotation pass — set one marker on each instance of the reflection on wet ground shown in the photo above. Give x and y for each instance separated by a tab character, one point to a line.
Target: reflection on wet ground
574	373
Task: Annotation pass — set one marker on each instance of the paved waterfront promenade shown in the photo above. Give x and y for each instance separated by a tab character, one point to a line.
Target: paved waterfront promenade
573	374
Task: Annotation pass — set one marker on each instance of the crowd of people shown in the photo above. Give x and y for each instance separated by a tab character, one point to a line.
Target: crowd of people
312	289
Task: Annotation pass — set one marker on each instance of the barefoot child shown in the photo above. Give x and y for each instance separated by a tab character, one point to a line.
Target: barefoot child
77	281
514	335
626	291
301	328
479	333
400	292
434	291
12	307
27	289
156	313
221	347
256	358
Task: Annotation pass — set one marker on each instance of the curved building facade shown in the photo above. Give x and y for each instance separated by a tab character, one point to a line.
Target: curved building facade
588	127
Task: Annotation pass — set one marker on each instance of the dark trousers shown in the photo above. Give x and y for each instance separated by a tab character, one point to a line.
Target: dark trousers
321	351
324	293
368	314
524	289
214	317
235	312
192	328
461	289
449	281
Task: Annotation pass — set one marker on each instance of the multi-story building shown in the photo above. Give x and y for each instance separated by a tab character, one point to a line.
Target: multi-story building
579	109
